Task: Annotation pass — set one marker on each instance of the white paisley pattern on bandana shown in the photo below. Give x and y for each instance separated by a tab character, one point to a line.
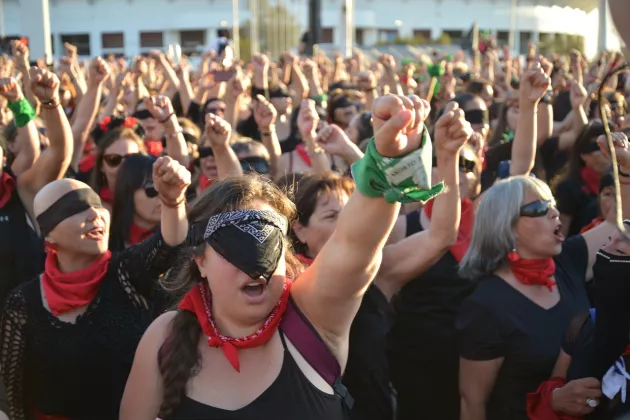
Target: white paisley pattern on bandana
257	223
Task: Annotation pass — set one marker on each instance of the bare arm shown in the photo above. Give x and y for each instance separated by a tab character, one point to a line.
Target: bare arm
218	132
402	261
171	180
330	291
476	382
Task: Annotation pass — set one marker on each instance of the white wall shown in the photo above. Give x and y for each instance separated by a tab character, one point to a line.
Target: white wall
133	16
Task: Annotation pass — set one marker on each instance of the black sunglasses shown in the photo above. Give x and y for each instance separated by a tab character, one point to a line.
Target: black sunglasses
149	190
114	160
205	152
538	208
143	114
465	165
255	164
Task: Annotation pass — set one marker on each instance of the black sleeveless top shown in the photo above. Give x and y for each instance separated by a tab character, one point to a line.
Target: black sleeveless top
290	397
21	250
426	310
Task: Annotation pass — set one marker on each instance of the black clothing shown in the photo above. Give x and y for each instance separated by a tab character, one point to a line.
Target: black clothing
291	396
422	345
21	249
552	159
79	370
573	201
562	106
497	321
367	374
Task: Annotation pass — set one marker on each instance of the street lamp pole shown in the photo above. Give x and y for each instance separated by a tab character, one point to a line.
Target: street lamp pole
2	32
236	36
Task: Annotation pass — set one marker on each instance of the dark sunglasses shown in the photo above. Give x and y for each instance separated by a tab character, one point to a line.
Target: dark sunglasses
538	208
142	114
255	164
465	165
477	116
205	152
149	190
114	160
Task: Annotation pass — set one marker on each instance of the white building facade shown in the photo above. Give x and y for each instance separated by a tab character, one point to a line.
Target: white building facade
131	27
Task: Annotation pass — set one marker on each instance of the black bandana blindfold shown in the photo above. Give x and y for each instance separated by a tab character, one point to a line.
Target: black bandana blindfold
477	116
251	240
68	205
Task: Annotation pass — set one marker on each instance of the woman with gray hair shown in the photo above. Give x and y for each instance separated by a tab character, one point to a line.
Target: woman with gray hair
531	282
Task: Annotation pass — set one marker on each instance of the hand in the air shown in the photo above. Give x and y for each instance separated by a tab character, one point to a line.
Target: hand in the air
398	124
171	180
160	107
10	89
44	84
218	131
534	85
452	131
264	113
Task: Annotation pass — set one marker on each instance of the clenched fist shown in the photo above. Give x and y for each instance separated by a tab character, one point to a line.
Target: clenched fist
218	131
44	85
171	180
98	72
10	89
452	131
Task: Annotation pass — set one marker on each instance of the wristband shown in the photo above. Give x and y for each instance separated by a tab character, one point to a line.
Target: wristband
405	179
22	111
167	118
320	98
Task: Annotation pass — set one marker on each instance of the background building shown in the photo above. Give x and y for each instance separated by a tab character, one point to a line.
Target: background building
130	27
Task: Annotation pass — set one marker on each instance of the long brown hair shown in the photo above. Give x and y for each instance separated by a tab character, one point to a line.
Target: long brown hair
179	355
97	179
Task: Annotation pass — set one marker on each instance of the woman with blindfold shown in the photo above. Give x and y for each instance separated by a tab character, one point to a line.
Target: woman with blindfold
235	347
21	255
530	285
136	209
81	320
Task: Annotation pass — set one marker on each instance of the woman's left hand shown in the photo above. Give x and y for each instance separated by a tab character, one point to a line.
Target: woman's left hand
621	149
398	124
171	180
452	131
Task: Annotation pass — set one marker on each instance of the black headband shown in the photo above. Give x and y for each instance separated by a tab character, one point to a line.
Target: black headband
143	114
68	205
477	116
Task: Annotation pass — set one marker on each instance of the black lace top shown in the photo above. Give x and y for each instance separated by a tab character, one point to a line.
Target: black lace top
79	370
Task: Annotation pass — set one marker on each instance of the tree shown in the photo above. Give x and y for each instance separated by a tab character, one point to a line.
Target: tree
278	30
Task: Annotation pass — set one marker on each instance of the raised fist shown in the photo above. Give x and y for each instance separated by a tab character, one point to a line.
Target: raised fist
398	124
171	180
264	113
10	89
217	131
44	85
452	131
98	72
534	84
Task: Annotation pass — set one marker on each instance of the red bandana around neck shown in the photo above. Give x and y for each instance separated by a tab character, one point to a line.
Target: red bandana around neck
106	194
138	234
307	261
595	222
7	186
87	163
205	182
466	223
67	291
154	147
303	153
199	302
533	272
590	179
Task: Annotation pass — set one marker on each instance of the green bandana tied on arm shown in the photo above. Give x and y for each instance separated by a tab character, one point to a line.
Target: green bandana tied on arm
406	179
23	112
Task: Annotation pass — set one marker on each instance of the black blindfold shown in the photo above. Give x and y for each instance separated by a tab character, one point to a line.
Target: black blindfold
68	205
477	116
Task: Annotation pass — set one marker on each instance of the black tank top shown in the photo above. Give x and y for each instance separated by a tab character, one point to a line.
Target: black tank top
290	397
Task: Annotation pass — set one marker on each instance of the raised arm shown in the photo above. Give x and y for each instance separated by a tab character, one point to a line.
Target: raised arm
162	110
412	256
218	132
27	141
88	108
265	116
329	292
55	160
307	123
534	84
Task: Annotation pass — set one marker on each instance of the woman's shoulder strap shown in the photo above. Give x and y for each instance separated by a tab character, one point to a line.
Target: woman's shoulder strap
313	349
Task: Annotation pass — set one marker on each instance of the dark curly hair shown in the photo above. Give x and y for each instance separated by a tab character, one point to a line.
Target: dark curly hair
113	122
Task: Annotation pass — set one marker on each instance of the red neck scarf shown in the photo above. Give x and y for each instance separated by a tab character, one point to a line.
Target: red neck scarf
138	234
106	194
466	223
7	186
595	222
590	180
533	272
307	261
67	291
205	182
154	147
303	153
199	301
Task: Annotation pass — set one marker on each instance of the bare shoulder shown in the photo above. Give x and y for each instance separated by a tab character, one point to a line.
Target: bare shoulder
159	329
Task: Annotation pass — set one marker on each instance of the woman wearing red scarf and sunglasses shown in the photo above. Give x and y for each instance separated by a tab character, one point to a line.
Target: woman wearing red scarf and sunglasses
531	283
21	255
238	346
68	337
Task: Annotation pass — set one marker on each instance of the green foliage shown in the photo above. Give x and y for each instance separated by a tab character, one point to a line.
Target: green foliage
409	40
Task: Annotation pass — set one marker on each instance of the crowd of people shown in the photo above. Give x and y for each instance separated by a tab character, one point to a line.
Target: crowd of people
314	237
